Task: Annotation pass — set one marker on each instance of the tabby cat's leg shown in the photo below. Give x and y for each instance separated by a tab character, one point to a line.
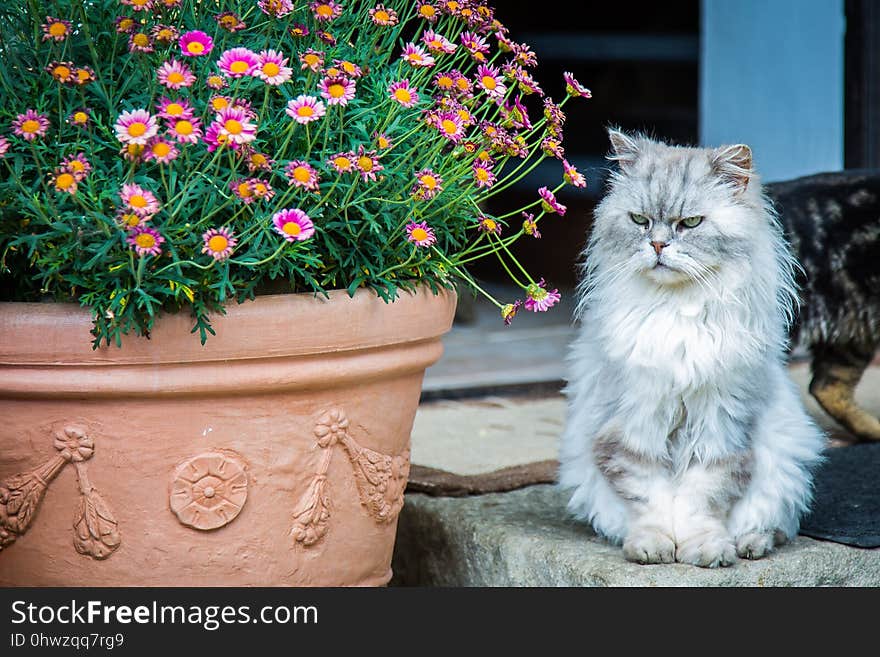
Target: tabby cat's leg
837	370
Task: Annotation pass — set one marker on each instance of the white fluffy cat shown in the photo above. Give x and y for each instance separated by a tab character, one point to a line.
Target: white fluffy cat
685	439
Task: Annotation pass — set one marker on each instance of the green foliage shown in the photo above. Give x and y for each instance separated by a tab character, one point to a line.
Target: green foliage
74	242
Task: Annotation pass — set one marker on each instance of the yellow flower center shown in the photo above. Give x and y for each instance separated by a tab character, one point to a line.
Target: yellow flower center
436	44
304	110
131	220
342	163
64	181
218	243
484	156
324	11
138	201
80	117
271	69
292	228
139	3
239	66
183	127
427	11
176	77
452	5
219	103
215	80
489	82
125	24
30	126
137	128
428	181
174	109
165	34
445	82
140	40
82	75
449	126
482	175
301	174
161	149
489	224
349	68
403	95
365	163
382	16
415	57
244	190
312	60
145	241
229	21
76	166
383	142
258	160
419	234
260	189
61	72
336	90
195	47
57	29
464	115
233	126
462	84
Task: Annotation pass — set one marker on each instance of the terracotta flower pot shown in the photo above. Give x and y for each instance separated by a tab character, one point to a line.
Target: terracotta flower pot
277	454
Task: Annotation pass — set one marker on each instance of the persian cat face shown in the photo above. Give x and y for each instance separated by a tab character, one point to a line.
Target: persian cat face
677	216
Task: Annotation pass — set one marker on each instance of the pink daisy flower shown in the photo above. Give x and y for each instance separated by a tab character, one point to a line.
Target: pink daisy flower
272	68
164	34
230	21
444	81
416	56
348	68
219	243
195	43
78	165
63	181
343	162
305	109
382	15
138	5
508	311
145	240
185	130
464	88
488	225
216	82
326	37
420	234
276	8
483	175
236	126
572	175
175	75
575	88
337	91
382	141
243	189
238	62
549	202
258	161
30	125
530	226
140	42
4	146
553	148
261	188
138	200
136	127
161	150
214	138
517	115
294	225
437	43
56	29
132	152
450	125
298	30
539	299
367	163
474	44
312	60
174	109
428	184
403	93
302	174
491	81
427	11
80	117
324	12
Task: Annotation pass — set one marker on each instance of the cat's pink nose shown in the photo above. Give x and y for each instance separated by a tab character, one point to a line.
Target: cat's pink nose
659	246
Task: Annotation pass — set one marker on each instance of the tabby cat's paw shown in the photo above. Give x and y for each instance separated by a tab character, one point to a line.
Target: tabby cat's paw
709	549
649	546
754	545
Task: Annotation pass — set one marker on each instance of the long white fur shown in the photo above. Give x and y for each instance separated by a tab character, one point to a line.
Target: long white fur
649	347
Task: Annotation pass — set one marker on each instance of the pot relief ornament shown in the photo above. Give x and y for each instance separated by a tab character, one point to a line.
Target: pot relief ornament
209	490
96	532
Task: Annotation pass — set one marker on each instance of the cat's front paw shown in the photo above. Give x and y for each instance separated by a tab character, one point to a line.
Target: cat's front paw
709	549
754	545
649	546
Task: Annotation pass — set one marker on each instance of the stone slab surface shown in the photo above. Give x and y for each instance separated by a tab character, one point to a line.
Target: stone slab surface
526	538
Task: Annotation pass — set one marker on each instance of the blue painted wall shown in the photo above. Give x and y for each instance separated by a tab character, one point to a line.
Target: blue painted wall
771	76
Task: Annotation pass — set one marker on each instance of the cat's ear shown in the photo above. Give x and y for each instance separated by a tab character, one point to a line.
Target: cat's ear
734	164
624	149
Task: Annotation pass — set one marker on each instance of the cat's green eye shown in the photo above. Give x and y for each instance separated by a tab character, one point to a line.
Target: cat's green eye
639	219
691	222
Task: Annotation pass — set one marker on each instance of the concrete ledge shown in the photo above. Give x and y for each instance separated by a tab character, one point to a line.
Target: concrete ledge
526	538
